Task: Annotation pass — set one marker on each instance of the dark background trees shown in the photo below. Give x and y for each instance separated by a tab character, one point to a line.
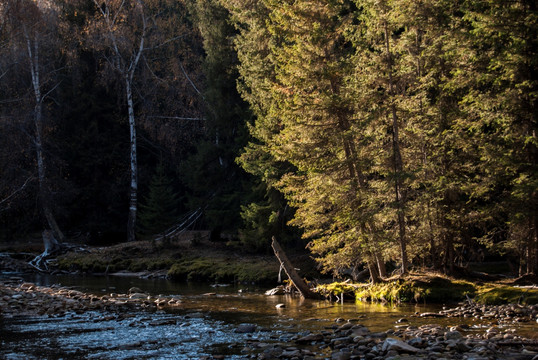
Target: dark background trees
382	133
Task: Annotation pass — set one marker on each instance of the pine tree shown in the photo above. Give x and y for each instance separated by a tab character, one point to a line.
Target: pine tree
160	207
217	183
265	211
501	73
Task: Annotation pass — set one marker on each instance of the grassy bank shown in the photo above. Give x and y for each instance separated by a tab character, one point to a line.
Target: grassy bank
194	258
432	289
182	260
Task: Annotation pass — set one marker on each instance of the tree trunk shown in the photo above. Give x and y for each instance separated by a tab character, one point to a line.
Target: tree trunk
448	263
374	274
51	246
127	70
33	55
50	243
535	237
298	282
133	193
396	160
382	270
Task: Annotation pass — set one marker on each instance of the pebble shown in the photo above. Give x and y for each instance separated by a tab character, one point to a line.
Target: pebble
31	300
345	340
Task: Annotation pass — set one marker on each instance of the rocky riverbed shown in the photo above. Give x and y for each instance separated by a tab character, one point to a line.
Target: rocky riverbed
345	339
28	299
349	340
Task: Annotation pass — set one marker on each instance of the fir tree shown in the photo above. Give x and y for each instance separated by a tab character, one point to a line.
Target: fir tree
160	206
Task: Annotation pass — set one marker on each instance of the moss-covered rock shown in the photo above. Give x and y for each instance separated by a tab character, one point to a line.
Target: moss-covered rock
433	289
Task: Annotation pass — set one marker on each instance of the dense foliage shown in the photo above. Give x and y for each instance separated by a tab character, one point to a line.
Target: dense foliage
389	133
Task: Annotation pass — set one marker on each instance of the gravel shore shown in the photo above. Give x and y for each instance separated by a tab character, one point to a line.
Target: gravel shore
342	341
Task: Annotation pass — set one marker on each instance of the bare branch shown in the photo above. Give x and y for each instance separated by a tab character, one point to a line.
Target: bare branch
165	42
175	118
188	78
51	90
18	190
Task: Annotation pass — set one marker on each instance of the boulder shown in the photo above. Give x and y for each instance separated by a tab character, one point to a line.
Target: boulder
310	338
432	314
292	353
134	290
279	290
453	335
359	330
340	355
138	296
398	345
245	328
416	342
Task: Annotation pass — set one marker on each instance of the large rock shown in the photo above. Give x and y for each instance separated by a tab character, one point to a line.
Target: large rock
138	296
398	345
279	290
453	335
245	328
310	338
432	314
359	330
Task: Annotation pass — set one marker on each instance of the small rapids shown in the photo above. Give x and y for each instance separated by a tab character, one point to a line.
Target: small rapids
206	324
100	336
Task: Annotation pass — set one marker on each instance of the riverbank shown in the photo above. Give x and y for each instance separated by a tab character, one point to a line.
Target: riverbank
188	257
194	258
421	287
18	298
345	339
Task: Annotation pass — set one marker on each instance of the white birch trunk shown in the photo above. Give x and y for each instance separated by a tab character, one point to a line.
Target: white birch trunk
127	69
33	56
133	193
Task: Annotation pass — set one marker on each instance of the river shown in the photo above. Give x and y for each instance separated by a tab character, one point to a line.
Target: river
204	325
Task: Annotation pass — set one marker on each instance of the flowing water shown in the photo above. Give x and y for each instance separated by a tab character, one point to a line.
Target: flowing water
203	325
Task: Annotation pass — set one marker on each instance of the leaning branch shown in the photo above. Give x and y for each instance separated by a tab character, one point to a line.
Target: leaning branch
285	263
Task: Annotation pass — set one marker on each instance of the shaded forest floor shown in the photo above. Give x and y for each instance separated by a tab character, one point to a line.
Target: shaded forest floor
193	257
188	257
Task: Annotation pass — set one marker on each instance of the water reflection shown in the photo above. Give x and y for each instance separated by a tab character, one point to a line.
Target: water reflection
203	324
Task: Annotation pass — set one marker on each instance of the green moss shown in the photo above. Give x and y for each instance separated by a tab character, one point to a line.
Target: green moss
395	292
432	289
337	289
441	290
82	263
222	270
502	294
95	263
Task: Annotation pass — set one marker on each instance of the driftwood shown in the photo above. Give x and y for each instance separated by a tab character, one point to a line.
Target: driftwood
52	247
297	281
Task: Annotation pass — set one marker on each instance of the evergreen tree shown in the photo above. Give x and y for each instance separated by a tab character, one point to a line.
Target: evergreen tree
160	208
216	181
266	211
501	73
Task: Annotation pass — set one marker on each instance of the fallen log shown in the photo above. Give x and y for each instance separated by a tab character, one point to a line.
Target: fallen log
297	281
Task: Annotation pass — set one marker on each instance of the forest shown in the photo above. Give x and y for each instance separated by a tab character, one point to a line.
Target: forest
383	135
